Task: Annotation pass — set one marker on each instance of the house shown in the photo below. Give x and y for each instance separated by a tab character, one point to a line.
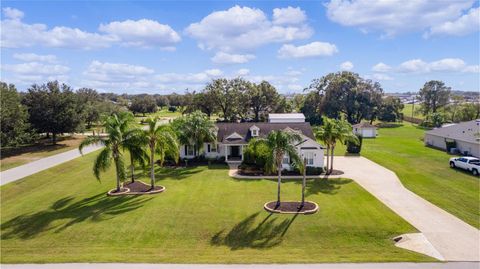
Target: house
464	136
365	129
232	138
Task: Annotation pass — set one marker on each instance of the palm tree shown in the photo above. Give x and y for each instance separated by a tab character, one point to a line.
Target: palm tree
116	126
161	139
303	169
279	144
324	133
342	133
134	144
195	129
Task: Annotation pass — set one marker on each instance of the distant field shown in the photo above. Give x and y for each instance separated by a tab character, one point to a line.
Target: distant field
425	171
407	111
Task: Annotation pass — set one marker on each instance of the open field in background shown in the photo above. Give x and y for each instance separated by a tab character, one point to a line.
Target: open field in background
13	157
63	215
407	111
426	171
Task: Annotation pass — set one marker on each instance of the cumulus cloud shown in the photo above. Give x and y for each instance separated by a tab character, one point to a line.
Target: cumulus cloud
142	33
380	76
313	49
289	15
464	25
245	28
15	34
229	58
397	16
34	72
243	72
189	78
346	66
381	67
103	71
32	57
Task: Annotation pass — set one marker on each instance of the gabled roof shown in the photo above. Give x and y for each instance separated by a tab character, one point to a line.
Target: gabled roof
225	129
364	125
465	131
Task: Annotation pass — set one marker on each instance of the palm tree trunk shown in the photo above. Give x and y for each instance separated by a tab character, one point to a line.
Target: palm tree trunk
328	160
117	173
331	161
279	168
152	168
304	181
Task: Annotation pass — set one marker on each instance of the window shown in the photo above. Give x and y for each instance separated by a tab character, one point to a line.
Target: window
309	157
463	160
286	160
254	132
188	150
208	147
213	147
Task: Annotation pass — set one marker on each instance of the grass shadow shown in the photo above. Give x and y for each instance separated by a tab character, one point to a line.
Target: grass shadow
325	185
248	234
95	208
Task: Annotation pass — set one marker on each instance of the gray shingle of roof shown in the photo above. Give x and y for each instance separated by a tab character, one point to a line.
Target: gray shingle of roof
243	128
465	131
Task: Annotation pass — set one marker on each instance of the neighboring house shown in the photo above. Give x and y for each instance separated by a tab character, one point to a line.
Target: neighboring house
232	138
465	136
365	129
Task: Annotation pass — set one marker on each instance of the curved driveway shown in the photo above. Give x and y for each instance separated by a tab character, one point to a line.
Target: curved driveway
454	239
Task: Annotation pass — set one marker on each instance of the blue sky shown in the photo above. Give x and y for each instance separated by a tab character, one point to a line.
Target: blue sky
169	46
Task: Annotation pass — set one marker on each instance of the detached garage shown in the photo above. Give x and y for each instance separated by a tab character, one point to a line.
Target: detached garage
365	129
464	137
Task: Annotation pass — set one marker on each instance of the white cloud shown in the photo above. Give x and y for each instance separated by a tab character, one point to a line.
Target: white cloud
463	25
381	67
32	57
395	16
414	66
243	72
346	66
289	15
189	78
380	76
313	49
472	69
244	28
35	68
12	13
229	58
141	33
447	64
145	33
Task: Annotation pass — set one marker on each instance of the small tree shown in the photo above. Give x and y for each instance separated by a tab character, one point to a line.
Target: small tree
279	144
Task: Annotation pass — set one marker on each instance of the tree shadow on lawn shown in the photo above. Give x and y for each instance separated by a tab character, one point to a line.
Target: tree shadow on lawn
247	234
96	208
177	173
325	185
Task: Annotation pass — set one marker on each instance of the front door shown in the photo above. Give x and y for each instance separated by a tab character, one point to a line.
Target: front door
235	151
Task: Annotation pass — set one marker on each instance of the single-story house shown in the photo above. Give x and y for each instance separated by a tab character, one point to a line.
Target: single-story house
365	129
465	136
232	138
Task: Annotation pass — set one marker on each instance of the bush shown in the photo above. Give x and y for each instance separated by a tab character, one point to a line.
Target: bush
256	157
172	108
313	171
355	148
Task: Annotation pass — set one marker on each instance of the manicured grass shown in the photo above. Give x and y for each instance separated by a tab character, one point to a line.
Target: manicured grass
426	171
407	111
18	156
63	215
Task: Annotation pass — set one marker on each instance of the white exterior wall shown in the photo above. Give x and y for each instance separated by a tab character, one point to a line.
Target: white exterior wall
366	132
435	141
462	146
318	154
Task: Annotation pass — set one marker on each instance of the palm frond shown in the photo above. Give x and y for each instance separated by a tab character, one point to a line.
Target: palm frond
102	162
89	141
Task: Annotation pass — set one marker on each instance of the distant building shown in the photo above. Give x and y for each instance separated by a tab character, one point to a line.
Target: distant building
365	129
286	117
465	136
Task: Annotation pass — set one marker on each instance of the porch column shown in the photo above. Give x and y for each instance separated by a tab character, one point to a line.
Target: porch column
226	153
241	150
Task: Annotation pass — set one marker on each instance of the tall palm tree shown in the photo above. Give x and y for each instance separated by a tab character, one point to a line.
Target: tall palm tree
325	133
135	145
161	139
342	132
303	169
116	126
279	144
195	129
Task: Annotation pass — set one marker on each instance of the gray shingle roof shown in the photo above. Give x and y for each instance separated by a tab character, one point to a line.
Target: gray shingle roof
465	131
225	129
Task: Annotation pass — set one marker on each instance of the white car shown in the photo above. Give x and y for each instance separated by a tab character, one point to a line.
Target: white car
471	164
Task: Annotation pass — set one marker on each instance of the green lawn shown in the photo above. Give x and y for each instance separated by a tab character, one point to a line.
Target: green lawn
425	171
63	215
407	111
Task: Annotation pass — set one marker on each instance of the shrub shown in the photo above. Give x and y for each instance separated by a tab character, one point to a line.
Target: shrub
313	171
172	108
355	148
256	157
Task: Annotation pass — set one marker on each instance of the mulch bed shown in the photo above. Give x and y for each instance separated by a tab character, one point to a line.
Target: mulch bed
137	188
335	173
291	207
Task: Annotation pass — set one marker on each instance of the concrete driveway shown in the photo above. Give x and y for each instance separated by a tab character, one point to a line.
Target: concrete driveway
31	168
454	239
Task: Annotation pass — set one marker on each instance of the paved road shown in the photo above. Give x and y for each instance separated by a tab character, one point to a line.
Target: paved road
454	239
450	265
31	168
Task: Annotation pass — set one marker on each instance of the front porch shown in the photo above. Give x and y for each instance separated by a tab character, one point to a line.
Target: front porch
233	153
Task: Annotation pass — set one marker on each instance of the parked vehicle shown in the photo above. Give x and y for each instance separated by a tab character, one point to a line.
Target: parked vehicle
471	164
